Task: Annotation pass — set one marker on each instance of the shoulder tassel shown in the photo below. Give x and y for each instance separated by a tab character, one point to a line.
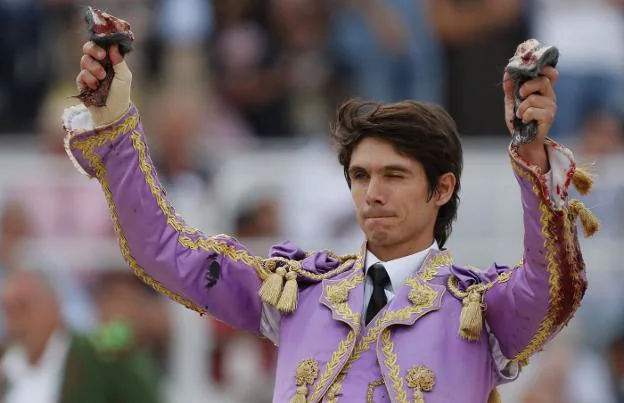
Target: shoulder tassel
471	318
582	181
590	223
271	288
494	397
288	300
280	288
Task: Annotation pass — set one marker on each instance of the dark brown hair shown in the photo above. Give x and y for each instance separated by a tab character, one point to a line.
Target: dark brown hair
423	132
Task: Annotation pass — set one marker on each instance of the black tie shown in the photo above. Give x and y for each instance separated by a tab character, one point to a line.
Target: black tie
378	300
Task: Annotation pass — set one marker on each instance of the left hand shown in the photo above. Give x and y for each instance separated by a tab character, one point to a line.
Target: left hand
539	104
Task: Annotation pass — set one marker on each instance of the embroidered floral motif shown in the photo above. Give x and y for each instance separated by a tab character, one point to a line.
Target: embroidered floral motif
421	379
306	374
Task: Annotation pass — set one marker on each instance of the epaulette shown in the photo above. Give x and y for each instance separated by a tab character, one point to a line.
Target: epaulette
112	340
280	285
471	316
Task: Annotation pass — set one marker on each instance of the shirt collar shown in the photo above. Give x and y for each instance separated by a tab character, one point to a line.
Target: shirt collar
400	269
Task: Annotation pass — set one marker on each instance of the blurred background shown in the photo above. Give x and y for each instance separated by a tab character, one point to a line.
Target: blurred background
237	97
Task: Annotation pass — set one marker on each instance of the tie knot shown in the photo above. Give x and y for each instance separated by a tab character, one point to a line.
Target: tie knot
379	275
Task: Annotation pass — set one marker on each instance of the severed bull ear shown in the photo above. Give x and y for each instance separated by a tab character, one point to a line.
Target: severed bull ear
527	63
105	30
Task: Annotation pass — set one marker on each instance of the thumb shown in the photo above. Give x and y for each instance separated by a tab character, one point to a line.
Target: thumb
114	55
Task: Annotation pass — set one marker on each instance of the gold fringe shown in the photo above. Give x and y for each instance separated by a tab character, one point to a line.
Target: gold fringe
590	223
272	287
471	318
418	396
494	397
582	181
288	301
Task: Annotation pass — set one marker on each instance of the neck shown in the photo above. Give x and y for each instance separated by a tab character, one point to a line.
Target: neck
390	252
37	346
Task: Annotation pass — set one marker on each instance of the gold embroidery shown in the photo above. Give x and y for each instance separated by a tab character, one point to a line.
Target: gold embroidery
554	280
305	375
87	147
432	265
421	379
391	363
336	358
437	261
371	390
337	294
348	315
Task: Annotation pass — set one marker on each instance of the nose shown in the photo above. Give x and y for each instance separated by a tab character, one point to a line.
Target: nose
375	194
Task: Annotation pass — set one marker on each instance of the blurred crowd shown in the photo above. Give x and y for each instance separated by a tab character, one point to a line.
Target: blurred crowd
246	89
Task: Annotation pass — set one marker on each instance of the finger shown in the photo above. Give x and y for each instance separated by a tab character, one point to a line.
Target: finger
86	80
541	116
93	50
551	73
93	66
535	101
539	85
115	55
508	86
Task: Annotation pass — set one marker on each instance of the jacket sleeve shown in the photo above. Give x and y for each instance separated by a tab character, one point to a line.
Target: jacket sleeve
210	274
528	305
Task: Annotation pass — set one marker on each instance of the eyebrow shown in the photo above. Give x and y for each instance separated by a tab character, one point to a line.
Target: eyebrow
385	168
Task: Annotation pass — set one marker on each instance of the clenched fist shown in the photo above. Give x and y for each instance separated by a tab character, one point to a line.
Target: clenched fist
91	75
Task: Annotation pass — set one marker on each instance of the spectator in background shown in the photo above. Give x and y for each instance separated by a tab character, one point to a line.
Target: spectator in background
248	69
479	36
123	300
15	235
590	36
47	362
389	50
256	224
25	67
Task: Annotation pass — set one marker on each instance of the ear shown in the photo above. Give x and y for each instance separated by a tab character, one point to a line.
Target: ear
444	190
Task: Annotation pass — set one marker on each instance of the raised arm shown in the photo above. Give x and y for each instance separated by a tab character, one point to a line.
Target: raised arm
214	274
528	305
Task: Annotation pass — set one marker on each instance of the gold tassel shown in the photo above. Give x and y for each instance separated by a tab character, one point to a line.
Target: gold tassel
494	397
288	301
471	318
300	397
272	287
418	396
582	181
590	223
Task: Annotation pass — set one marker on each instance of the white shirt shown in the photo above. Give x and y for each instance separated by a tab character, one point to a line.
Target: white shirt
40	383
398	270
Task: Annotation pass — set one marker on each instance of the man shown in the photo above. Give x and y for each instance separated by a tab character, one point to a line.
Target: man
48	363
397	321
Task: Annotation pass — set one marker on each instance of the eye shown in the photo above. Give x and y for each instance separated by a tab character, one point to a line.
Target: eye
359	175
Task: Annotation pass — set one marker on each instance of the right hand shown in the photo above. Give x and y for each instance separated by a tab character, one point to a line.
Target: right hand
92	72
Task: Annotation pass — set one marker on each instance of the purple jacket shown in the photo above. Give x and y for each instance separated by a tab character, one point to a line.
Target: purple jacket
421	345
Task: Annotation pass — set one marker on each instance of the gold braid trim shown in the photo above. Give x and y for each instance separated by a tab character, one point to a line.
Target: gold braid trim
335	294
554	280
391	362
419	304
370	393
330	369
87	147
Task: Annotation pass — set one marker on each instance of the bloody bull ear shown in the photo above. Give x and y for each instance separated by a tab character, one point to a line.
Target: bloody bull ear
105	30
527	63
